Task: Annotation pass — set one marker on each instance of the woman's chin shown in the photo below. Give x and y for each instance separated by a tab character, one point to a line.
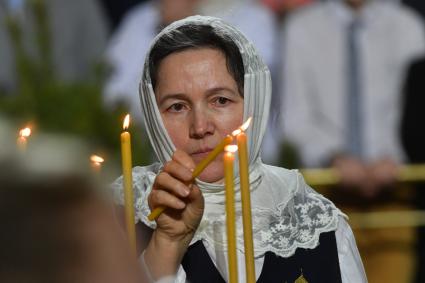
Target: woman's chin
212	175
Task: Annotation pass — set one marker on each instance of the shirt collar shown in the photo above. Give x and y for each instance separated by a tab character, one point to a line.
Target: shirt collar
346	15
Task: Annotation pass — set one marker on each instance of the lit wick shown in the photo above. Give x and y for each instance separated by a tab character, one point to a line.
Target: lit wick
22	139
96	163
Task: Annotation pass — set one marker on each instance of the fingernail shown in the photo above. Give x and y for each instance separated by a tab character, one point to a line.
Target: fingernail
185	192
180	204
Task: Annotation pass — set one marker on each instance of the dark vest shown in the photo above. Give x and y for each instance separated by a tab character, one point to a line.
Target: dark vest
318	265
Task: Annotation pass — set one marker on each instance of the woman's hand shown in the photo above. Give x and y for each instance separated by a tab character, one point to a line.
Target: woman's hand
185	204
173	189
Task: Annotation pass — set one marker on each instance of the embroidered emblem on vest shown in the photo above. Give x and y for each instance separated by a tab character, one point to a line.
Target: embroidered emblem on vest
301	279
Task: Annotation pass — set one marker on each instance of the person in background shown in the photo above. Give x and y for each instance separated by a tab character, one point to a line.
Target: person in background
344	63
58	223
116	10
273	144
418	5
413	140
344	66
283	7
58	229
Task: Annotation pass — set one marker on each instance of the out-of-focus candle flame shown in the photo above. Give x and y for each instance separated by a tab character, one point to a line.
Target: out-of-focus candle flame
243	127
26	132
231	148
126	123
96	160
22	139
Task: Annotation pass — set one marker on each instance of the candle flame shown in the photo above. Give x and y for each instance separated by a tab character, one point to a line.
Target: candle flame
243	127
96	159
246	124
126	123
231	148
26	132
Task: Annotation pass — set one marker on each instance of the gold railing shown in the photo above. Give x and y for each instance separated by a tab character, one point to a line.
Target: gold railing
375	219
330	177
387	219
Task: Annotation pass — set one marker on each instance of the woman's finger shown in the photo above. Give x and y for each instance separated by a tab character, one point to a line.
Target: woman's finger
164	181
184	159
163	198
178	171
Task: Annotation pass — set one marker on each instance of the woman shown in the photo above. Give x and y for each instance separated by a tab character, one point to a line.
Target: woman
202	78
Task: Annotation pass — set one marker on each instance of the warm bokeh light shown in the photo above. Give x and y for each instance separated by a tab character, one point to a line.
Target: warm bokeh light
96	160
26	132
243	127
231	148
126	123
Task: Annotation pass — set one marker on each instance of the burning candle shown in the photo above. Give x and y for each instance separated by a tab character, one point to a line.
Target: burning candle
21	142
128	182
228	159
96	163
246	200
198	170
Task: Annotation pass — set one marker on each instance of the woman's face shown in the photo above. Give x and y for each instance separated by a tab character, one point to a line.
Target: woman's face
199	104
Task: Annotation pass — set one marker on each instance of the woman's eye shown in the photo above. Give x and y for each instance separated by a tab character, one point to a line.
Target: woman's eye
176	107
221	101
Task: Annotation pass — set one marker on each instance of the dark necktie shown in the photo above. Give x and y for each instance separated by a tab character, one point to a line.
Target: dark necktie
354	88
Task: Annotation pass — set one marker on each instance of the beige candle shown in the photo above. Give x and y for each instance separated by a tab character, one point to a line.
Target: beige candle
128	183
246	201
228	160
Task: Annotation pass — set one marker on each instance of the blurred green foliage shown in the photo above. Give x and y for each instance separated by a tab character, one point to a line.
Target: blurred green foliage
56	106
289	156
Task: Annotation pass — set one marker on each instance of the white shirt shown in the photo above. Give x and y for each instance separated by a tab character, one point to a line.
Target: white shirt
350	263
126	55
314	107
128	46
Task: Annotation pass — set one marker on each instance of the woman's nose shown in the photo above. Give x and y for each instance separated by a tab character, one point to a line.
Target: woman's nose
201	124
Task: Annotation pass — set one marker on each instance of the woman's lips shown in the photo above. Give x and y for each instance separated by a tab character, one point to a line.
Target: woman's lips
200	154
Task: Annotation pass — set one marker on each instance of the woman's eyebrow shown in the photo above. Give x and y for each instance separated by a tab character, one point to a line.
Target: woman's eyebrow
180	96
214	90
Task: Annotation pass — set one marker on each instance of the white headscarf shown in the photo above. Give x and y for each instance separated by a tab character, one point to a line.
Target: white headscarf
257	93
287	214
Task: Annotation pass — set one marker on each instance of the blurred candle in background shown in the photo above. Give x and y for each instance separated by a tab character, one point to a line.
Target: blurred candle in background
96	163
21	142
